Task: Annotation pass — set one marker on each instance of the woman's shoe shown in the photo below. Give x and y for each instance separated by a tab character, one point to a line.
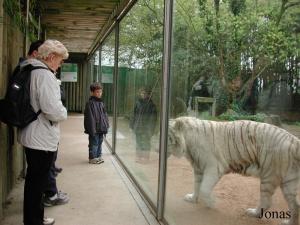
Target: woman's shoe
58	169
48	221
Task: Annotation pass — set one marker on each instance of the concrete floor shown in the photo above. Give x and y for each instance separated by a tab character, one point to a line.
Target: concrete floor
99	194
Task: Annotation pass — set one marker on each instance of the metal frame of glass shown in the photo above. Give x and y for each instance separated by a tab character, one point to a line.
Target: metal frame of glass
164	115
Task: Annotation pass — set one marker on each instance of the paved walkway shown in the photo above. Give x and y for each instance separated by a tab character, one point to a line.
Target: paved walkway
99	194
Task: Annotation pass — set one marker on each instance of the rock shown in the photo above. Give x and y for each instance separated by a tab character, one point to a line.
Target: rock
273	119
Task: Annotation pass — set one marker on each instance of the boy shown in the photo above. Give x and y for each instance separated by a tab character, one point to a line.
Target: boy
95	123
143	124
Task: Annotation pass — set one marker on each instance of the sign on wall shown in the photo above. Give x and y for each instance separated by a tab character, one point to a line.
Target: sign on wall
107	78
107	74
69	72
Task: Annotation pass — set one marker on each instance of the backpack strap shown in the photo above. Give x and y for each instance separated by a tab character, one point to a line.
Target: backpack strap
35	68
38	67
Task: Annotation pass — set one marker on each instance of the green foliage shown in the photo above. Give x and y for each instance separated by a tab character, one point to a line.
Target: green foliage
13	9
229	46
276	44
260	117
237	6
243	41
202	6
17	13
222	98
142	36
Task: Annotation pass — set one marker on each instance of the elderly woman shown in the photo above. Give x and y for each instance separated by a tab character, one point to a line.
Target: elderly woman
40	138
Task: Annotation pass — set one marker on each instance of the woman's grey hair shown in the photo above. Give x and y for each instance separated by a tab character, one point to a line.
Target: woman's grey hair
54	47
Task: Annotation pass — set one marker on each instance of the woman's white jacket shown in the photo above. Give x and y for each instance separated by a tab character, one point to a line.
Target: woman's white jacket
43	133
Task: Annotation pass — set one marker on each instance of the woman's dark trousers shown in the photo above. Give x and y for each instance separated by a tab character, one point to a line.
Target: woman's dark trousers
51	188
38	167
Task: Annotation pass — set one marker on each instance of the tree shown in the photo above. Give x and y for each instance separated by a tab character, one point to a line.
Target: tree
230	43
242	39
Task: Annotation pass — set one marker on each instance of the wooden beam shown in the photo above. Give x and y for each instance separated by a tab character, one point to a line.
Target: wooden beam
86	11
77	23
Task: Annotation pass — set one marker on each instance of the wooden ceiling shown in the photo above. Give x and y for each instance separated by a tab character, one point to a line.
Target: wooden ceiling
78	24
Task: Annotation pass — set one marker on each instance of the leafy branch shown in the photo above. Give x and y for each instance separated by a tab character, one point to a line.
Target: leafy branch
16	10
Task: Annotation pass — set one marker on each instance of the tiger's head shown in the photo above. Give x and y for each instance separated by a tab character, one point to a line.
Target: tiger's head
176	142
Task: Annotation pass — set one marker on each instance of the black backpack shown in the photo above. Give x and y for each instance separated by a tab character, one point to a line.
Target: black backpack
16	109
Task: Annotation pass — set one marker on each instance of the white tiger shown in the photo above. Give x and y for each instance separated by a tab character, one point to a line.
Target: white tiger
244	147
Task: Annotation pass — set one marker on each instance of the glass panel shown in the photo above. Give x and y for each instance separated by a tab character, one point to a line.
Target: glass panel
94	66
232	60
106	78
140	55
97	66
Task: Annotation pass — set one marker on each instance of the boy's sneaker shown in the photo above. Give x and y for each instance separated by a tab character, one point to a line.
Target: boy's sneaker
48	221
59	199
96	161
100	160
93	161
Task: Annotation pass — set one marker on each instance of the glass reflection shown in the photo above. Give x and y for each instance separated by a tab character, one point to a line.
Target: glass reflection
140	55
106	77
231	60
143	122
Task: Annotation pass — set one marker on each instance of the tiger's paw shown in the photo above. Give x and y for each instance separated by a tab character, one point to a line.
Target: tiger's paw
191	198
253	212
209	201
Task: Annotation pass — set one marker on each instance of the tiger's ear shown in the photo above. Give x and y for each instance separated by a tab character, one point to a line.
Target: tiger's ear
178	125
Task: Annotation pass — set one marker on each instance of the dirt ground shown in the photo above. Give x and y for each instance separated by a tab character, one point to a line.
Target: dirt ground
234	193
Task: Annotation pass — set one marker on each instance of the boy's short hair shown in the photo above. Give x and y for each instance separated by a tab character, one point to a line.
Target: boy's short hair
34	46
95	86
146	89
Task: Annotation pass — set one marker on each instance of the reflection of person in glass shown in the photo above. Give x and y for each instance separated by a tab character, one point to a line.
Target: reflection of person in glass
143	124
199	89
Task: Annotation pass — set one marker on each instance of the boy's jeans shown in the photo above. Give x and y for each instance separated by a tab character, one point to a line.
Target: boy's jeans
95	146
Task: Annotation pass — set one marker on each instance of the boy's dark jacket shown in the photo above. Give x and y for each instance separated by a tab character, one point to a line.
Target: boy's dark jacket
144	117
95	117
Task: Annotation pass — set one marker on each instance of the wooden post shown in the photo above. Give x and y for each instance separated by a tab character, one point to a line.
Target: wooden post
2	92
26	39
208	100
39	29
